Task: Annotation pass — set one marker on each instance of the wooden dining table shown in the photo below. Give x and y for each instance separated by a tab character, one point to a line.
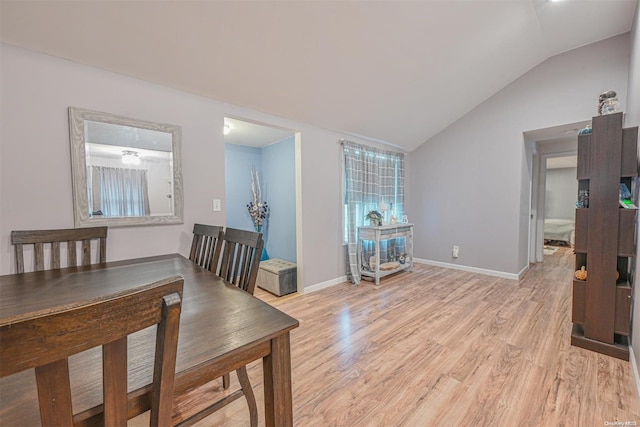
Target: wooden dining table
221	329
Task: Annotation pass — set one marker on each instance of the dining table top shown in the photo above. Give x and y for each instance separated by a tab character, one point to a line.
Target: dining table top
218	322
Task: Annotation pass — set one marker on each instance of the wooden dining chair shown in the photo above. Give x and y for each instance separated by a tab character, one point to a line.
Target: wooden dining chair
206	245
241	255
241	258
45	341
40	238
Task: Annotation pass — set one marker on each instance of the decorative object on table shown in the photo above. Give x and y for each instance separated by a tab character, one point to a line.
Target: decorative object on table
383	209
583	199
374	217
402	259
258	208
586	130
405	219
393	220
391	265
603	98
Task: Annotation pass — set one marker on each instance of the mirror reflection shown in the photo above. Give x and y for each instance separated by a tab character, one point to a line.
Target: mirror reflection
129	170
125	170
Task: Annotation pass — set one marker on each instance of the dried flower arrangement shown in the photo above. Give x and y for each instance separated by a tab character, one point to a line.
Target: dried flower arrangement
257	207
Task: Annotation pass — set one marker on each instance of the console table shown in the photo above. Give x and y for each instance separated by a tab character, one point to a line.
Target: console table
381	233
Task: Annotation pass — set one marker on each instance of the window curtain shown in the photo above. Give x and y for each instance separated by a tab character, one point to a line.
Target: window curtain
372	176
119	192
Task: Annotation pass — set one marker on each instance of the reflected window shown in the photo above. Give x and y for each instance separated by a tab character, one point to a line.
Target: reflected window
118	192
129	171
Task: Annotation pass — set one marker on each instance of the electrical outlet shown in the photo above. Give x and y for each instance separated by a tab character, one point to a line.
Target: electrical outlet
456	251
217	205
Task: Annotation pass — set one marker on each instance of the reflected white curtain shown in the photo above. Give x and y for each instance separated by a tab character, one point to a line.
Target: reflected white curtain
371	176
119	192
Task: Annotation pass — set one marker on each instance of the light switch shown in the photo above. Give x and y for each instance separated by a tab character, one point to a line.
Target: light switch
217	205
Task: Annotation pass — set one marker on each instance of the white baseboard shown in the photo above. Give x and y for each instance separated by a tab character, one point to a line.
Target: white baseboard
524	270
323	285
495	273
343	279
634	366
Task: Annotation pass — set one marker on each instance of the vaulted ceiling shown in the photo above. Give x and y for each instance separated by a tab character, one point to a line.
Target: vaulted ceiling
394	71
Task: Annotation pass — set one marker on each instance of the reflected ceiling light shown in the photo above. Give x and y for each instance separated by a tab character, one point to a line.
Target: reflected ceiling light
130	157
226	129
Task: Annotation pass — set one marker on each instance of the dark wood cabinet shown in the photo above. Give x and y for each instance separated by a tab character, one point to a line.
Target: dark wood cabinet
604	241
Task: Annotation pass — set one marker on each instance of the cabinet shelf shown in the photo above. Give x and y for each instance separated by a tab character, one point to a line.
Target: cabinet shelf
626	229
604	238
619	348
628	159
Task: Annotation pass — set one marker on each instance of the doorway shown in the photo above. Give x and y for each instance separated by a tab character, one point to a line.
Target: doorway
553	160
273	154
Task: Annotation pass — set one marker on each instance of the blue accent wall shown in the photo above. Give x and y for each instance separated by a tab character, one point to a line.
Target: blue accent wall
279	177
276	166
238	160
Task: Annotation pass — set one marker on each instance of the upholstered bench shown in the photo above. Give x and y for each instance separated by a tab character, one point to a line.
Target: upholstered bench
277	276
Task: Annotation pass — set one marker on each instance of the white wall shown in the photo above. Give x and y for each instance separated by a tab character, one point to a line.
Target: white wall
633	119
633	95
470	183
465	184
561	193
35	167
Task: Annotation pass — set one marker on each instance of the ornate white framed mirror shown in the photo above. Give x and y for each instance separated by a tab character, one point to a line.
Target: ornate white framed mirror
124	171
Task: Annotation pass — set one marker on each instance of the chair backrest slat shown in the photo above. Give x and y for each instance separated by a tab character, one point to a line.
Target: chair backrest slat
206	244
39	256
86	252
40	238
102	244
241	258
19	258
72	257
55	255
45	341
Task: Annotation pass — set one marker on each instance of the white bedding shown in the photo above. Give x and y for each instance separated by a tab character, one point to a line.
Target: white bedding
560	229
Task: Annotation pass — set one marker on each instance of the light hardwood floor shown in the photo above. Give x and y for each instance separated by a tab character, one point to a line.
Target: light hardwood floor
440	347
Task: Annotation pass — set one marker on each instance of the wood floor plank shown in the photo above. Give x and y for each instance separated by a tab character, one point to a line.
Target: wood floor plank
444	347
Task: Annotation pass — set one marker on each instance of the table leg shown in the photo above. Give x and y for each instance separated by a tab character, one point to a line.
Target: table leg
377	258
277	383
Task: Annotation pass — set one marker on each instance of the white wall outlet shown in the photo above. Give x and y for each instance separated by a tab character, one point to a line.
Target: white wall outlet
217	205
456	251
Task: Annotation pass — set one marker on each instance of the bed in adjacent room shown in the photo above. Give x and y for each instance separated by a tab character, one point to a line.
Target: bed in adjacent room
559	230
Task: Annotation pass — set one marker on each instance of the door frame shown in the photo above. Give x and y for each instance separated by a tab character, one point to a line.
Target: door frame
538	201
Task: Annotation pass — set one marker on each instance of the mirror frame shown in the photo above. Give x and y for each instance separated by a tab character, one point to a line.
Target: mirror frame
77	137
